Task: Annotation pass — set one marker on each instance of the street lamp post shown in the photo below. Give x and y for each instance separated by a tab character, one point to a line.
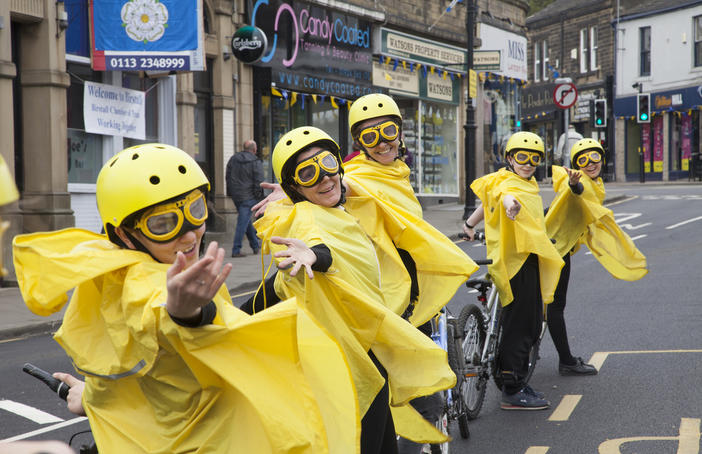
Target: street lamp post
470	126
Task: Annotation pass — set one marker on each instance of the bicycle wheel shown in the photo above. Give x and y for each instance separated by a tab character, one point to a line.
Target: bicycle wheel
457	363
471	326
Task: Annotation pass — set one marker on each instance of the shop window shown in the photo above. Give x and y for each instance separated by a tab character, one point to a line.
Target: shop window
326	118
409	108
544	58
645	51
593	48
537	62
84	149
202	85
697	25
583	50
439	130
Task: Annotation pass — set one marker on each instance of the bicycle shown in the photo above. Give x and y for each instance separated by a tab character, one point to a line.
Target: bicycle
444	335
480	329
61	389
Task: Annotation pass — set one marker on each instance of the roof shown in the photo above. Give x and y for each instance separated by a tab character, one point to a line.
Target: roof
570	8
631	9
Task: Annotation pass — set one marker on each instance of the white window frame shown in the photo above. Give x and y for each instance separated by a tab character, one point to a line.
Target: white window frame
593	48
544	58
583	50
696	41
537	62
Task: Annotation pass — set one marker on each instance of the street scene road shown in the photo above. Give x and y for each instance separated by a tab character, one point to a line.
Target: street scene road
643	336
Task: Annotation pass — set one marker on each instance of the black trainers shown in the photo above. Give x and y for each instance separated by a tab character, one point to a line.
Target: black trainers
523	401
529	390
579	368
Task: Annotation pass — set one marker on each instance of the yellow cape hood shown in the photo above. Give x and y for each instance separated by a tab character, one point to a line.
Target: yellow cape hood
574	219
153	386
384	203
509	242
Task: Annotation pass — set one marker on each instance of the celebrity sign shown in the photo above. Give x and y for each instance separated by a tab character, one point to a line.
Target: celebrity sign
150	35
314	49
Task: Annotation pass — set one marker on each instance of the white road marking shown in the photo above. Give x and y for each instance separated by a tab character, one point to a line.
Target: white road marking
46	429
565	408
638	237
683	223
31	413
621	201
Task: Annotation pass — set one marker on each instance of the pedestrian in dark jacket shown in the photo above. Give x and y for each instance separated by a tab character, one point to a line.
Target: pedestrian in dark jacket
244	176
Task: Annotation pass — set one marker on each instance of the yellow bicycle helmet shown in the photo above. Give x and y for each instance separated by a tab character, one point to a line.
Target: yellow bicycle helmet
141	176
583	145
524	140
372	106
8	190
291	144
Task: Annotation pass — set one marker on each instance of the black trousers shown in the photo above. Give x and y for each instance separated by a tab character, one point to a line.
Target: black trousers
556	319
377	427
521	325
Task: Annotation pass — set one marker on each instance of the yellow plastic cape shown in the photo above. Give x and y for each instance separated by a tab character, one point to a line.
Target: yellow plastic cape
574	219
509	242
348	301
272	383
383	201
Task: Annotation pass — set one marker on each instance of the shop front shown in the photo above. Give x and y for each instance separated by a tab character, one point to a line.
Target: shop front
668	147
424	77
502	87
318	60
540	115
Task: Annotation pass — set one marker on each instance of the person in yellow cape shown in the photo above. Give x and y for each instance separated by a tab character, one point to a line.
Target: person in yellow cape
576	216
392	361
525	264
170	364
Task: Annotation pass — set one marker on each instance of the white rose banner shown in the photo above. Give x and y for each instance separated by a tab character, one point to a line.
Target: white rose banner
114	111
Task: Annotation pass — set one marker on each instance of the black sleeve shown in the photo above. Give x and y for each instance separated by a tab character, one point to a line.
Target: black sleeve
577	188
324	258
228	178
256	303
411	268
207	314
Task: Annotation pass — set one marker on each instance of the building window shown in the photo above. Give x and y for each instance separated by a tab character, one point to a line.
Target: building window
697	24
645	51
593	48
583	50
537	62
544	47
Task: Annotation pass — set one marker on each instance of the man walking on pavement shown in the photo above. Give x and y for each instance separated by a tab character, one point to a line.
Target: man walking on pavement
244	176
564	145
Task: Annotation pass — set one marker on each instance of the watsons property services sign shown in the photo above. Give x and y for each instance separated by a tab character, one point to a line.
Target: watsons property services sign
314	49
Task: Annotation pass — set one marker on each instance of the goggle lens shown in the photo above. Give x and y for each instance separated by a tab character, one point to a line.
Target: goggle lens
370	137
165	222
198	209
527	157
162	224
585	158
311	171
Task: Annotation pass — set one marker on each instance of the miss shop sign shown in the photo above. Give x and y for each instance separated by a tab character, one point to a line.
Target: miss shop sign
311	40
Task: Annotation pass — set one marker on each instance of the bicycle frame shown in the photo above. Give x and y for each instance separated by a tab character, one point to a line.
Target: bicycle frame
439	334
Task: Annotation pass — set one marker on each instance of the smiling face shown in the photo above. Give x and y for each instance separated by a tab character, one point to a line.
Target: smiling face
384	152
593	169
187	243
327	192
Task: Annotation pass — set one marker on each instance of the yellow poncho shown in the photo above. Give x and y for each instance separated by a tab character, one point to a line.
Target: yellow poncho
509	242
272	383
348	301
383	201
574	219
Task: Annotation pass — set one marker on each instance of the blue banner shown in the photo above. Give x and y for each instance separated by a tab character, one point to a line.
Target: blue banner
147	34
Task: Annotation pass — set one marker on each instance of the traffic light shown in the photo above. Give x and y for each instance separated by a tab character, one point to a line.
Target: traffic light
599	116
643	108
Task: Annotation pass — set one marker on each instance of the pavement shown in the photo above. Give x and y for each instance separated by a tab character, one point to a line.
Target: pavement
16	320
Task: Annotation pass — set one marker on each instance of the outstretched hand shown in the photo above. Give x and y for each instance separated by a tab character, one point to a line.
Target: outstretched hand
297	254
512	206
190	289
573	176
260	208
74	399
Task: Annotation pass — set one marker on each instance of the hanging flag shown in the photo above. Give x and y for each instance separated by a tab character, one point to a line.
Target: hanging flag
293	98
314	98
404	64
394	67
302	100
276	92
387	75
333	102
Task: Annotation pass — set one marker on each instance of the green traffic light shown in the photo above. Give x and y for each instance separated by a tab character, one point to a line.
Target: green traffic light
599	121
644	117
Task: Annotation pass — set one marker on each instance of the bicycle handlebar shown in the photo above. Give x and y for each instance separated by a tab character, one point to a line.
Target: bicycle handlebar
56	385
483	262
479	236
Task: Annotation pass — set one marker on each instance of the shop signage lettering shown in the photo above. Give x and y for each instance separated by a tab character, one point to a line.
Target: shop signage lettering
401	45
438	88
315	49
515	50
400	80
661	101
249	44
114	111
512	47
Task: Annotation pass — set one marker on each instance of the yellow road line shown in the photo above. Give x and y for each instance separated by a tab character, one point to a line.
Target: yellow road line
688	439
565	408
599	357
537	450
621	201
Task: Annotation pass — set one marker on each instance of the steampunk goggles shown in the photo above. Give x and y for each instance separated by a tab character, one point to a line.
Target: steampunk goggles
313	169
588	157
527	157
164	222
385	132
